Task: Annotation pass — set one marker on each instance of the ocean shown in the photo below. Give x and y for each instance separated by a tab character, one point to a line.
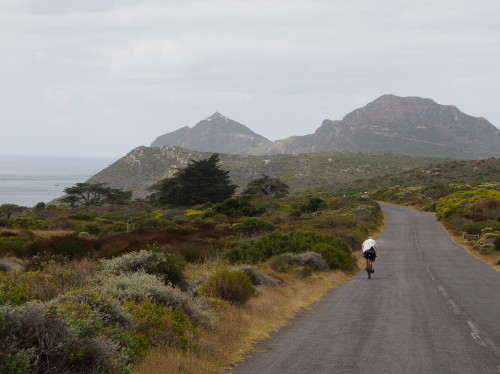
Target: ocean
28	180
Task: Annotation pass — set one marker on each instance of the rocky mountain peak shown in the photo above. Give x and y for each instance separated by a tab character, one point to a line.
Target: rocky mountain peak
216	133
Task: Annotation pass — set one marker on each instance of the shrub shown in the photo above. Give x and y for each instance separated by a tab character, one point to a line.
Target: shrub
28	223
36	336
233	286
313	205
14	245
257	277
140	286
11	292
337	254
236	207
286	261
81	217
48	279
164	326
70	246
90	228
170	266
8	264
89	304
477	227
253	225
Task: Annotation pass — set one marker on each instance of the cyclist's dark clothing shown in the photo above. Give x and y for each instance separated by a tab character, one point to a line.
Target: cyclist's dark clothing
370	253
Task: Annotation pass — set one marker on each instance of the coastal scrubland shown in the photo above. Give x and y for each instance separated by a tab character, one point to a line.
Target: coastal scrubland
140	288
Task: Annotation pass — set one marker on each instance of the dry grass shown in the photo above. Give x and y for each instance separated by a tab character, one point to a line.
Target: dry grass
491	260
240	327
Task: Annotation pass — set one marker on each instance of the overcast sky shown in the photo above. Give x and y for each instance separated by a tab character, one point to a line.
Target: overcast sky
101	77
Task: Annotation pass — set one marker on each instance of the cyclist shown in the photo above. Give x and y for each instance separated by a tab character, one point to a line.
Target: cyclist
369	249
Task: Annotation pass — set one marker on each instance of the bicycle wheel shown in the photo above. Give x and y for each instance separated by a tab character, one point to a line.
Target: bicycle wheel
369	269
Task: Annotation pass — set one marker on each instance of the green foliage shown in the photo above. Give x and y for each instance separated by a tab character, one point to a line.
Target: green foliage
236	207
198	183
30	223
476	227
253	225
461	203
337	252
14	245
139	286
90	228
233	286
266	186
313	205
16	363
169	266
81	217
164	326
11	292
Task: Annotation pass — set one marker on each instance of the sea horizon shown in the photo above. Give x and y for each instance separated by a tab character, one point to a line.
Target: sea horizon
29	180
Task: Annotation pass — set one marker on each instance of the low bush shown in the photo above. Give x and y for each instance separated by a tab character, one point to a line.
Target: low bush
164	326
313	205
336	252
30	223
36	338
251	225
8	264
236	207
286	261
14	245
233	286
257	277
12	292
477	227
170	266
140	286
70	246
81	217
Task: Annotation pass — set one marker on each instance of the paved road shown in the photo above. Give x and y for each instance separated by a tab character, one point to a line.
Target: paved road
429	308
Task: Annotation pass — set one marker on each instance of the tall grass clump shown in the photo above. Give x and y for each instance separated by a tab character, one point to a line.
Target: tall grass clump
233	286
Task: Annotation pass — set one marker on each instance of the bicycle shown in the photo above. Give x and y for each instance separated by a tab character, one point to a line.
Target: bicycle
369	268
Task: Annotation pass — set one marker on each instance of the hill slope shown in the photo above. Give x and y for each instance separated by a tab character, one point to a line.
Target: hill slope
144	166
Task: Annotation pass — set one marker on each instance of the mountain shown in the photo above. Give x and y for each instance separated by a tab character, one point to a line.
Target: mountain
144	166
215	134
402	125
390	124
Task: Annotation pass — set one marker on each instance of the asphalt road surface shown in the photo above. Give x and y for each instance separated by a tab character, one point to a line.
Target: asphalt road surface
430	307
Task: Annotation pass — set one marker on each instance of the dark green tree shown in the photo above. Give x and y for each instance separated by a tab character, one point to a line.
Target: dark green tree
266	186
201	181
94	194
